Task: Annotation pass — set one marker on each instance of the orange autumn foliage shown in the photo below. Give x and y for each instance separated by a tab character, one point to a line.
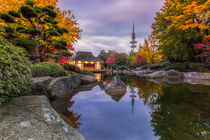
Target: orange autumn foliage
65	18
193	15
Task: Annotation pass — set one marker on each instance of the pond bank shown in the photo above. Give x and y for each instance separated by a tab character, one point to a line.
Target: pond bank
33	117
166	76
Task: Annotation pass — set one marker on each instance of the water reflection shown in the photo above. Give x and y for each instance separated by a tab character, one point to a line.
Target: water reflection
182	113
146	111
98	76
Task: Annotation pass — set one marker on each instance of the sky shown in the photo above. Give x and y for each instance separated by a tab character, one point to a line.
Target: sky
107	24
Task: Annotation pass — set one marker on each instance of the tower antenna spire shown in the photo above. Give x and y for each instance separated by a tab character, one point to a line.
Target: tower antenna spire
133	37
133	26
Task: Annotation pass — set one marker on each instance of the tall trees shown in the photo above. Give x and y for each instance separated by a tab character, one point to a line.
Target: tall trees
103	55
66	18
34	28
149	50
179	26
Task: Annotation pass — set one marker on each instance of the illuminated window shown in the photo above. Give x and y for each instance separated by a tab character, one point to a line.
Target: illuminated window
98	66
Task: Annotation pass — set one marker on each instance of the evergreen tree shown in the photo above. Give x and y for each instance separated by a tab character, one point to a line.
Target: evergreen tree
35	29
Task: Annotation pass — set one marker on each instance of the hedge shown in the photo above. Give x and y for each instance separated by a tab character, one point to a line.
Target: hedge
15	73
48	69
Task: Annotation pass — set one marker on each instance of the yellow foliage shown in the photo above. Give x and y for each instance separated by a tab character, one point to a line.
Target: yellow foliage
193	15
150	50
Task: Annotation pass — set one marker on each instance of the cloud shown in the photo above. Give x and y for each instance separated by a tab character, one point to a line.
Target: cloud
107	24
97	43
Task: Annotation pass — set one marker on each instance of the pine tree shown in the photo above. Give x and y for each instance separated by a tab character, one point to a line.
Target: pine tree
35	29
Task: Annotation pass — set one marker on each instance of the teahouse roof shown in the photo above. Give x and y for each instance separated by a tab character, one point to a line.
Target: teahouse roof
85	56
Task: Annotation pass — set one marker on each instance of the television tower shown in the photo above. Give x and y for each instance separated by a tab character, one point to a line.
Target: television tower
133	37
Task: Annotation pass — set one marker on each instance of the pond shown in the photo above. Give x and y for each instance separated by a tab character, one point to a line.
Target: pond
146	111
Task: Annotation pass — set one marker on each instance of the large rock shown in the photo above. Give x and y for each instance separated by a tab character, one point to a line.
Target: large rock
157	74
116	85
62	85
32	118
87	79
197	81
196	75
173	74
40	85
196	78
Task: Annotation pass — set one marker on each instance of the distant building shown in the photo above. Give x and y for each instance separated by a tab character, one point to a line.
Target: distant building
86	61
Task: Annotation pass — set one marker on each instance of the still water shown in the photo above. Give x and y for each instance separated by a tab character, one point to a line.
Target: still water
146	111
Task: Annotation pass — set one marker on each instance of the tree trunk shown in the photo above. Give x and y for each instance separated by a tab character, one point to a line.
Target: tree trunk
37	51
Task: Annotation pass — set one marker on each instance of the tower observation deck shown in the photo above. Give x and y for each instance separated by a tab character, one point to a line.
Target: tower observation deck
133	37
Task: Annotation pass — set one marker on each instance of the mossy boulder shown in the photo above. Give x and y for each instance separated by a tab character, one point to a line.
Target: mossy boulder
32	117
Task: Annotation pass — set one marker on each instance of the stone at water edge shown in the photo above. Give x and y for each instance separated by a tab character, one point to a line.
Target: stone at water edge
196	75
173	74
87	79
62	85
32	117
116	84
157	74
40	85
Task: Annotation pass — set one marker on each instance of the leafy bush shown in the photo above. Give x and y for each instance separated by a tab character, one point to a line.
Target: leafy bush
70	67
87	72
15	74
144	67
159	65
197	66
123	67
138	62
114	66
177	66
48	69
208	66
141	60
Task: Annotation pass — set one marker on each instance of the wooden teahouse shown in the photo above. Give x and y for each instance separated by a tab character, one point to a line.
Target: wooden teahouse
86	61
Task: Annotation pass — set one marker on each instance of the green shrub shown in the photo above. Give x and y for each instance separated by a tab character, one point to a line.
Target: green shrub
15	74
144	67
87	72
48	69
70	67
208	66
159	65
123	67
197	66
177	66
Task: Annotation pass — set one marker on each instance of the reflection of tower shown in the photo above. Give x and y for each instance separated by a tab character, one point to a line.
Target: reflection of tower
132	98
133	42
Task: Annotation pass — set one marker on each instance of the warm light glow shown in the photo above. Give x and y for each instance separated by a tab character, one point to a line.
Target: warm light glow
80	66
92	62
98	76
98	66
86	62
79	62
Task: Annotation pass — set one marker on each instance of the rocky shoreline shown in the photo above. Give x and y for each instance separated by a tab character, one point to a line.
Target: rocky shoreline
32	117
168	76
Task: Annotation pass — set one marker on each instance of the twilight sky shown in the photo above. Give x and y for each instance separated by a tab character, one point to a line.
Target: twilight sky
107	24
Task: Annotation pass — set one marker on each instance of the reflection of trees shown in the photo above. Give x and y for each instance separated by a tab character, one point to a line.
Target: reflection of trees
150	93
71	117
139	83
128	81
181	114
63	107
